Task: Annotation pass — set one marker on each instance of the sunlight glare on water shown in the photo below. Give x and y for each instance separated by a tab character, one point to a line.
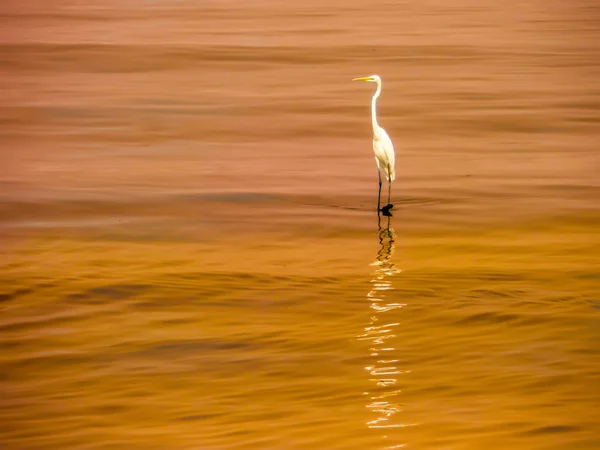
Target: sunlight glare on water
383	399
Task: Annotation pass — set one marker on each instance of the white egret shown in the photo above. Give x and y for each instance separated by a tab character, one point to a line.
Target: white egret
382	146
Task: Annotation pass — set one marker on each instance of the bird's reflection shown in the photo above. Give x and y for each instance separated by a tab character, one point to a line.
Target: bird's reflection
383	367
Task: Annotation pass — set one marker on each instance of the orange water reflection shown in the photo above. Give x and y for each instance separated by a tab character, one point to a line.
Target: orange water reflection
383	400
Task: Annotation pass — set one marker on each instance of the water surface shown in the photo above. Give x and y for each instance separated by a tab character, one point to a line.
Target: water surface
191	257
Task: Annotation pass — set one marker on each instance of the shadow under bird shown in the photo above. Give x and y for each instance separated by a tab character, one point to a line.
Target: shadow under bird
382	147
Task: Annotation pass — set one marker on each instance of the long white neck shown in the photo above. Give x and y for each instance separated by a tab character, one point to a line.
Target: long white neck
376	126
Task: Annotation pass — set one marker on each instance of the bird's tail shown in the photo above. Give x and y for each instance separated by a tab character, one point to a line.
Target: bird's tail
392	173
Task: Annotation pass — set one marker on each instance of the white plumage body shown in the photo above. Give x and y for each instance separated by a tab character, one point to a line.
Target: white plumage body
384	154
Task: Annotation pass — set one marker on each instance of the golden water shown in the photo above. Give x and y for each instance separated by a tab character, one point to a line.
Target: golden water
191	257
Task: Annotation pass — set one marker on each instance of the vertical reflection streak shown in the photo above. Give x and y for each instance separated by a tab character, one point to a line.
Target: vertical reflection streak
383	371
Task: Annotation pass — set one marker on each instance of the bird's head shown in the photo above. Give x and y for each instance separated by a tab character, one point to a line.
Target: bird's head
369	79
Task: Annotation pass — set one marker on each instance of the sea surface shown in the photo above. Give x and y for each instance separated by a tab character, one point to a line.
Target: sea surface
190	253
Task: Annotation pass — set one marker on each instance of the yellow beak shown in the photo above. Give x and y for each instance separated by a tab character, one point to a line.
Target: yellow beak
362	79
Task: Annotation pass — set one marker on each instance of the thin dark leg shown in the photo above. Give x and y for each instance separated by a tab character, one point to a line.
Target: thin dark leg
379	192
386	209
